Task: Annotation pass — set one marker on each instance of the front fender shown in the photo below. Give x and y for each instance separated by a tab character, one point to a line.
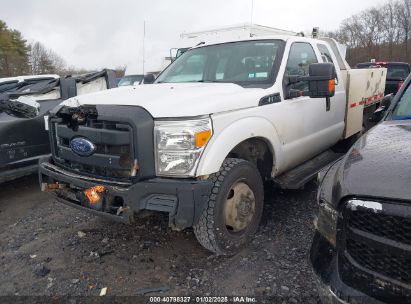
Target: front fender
226	138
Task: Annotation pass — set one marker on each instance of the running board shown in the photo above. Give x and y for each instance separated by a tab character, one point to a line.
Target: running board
299	176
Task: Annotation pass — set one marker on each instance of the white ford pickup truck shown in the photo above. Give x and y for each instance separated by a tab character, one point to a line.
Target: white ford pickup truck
199	143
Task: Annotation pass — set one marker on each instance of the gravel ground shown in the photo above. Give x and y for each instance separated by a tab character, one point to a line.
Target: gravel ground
49	249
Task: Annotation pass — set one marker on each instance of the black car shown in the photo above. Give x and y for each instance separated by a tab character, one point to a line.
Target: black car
23	138
397	72
361	252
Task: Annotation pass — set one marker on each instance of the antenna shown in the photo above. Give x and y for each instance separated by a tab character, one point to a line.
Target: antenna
252	11
144	39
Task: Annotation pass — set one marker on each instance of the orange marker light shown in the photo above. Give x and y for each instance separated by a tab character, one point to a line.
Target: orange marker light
93	194
331	86
202	138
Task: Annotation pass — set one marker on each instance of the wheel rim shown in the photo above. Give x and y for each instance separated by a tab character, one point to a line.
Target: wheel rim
239	207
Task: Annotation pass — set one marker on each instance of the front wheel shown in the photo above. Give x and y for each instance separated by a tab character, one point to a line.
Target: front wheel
234	208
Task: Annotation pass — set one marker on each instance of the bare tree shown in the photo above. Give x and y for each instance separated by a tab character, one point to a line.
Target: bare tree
382	32
391	27
404	17
45	61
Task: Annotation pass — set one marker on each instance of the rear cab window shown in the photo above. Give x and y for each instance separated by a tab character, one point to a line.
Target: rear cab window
325	53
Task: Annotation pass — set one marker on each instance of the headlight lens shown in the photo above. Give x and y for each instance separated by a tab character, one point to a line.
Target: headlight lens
179	145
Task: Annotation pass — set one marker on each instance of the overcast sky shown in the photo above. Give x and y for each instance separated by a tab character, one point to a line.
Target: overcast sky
109	33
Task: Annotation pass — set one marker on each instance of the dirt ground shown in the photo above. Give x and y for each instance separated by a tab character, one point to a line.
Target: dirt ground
49	249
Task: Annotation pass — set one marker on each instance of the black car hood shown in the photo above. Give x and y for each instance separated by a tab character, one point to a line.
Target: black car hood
379	164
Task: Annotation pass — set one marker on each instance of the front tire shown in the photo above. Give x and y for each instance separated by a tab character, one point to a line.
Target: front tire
234	208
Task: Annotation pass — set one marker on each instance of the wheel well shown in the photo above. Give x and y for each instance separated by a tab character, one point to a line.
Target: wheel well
256	151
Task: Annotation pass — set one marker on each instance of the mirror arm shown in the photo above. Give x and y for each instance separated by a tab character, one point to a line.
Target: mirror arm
292	79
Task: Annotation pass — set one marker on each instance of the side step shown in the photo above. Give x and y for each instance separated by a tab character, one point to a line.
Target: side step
299	176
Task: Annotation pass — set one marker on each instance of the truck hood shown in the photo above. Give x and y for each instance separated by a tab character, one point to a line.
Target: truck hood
378	165
176	100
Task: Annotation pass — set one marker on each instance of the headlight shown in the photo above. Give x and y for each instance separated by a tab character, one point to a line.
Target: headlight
179	145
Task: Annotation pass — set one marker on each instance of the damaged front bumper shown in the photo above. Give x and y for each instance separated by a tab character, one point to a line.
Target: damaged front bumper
183	200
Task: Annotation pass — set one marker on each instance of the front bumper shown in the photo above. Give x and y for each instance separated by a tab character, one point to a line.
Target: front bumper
332	289
183	200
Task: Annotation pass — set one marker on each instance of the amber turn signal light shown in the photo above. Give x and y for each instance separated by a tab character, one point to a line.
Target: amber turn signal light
93	194
331	86
202	138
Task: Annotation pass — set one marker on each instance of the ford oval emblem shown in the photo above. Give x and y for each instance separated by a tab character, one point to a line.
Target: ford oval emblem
82	146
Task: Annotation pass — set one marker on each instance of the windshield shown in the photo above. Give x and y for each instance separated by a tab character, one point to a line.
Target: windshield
402	109
246	62
130	80
8	86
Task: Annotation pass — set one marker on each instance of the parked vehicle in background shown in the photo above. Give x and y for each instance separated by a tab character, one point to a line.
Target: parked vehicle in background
130	80
362	245
199	143
23	108
396	75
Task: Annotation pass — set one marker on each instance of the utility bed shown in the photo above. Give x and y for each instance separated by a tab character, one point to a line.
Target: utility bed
365	88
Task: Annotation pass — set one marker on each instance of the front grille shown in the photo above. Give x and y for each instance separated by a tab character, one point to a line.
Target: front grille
114	157
374	248
385	263
396	228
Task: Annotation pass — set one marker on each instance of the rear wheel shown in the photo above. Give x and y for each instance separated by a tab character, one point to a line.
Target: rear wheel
234	208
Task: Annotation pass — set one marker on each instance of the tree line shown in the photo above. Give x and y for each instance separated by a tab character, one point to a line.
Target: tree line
381	32
18	57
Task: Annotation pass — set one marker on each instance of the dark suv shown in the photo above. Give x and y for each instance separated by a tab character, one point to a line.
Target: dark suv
397	72
361	251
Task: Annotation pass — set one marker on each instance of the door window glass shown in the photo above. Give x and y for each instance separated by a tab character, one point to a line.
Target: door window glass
301	56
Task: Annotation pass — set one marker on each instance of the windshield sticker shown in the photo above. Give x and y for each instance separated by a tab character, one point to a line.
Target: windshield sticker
251	75
262	75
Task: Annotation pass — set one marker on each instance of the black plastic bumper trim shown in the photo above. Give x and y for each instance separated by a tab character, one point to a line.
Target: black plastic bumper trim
183	200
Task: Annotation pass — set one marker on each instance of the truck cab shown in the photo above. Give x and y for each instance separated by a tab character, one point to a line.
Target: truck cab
201	140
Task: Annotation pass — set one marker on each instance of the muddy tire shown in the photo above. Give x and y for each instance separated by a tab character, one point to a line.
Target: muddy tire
234	208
